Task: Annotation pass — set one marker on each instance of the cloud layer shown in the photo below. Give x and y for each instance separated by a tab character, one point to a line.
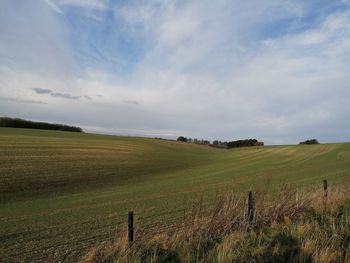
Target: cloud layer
58	94
275	70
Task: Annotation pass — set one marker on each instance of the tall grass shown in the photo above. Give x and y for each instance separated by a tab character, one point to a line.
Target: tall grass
294	227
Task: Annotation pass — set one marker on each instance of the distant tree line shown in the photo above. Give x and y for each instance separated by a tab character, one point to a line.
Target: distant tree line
220	144
193	140
244	143
312	141
20	123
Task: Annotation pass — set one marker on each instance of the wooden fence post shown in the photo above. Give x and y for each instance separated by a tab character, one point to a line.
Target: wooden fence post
130	228
325	188
250	208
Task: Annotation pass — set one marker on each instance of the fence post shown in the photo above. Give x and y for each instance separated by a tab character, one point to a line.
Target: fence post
250	208
130	228
325	188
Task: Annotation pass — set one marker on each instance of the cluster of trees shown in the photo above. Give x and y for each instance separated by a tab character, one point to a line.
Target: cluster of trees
244	143
312	141
194	140
220	144
20	123
238	143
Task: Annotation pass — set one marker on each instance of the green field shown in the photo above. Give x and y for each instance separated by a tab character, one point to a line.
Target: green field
61	192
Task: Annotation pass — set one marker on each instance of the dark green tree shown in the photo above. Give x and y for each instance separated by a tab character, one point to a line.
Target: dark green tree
182	139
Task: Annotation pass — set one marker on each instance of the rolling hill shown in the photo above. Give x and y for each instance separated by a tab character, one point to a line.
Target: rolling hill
61	193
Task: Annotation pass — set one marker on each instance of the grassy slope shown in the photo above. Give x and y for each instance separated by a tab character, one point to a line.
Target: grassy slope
64	191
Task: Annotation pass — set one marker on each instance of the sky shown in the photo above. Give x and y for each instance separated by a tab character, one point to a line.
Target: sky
275	70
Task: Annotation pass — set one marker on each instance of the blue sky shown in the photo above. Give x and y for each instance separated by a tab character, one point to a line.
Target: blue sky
275	70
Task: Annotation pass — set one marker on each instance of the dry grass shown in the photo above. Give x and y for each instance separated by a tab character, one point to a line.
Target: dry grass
295	227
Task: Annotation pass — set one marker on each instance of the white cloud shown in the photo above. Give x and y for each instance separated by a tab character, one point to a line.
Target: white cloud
209	69
54	6
34	40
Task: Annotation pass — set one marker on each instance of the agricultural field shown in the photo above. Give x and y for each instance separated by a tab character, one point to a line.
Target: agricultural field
62	193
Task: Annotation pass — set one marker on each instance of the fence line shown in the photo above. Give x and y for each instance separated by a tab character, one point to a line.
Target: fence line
143	225
250	213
